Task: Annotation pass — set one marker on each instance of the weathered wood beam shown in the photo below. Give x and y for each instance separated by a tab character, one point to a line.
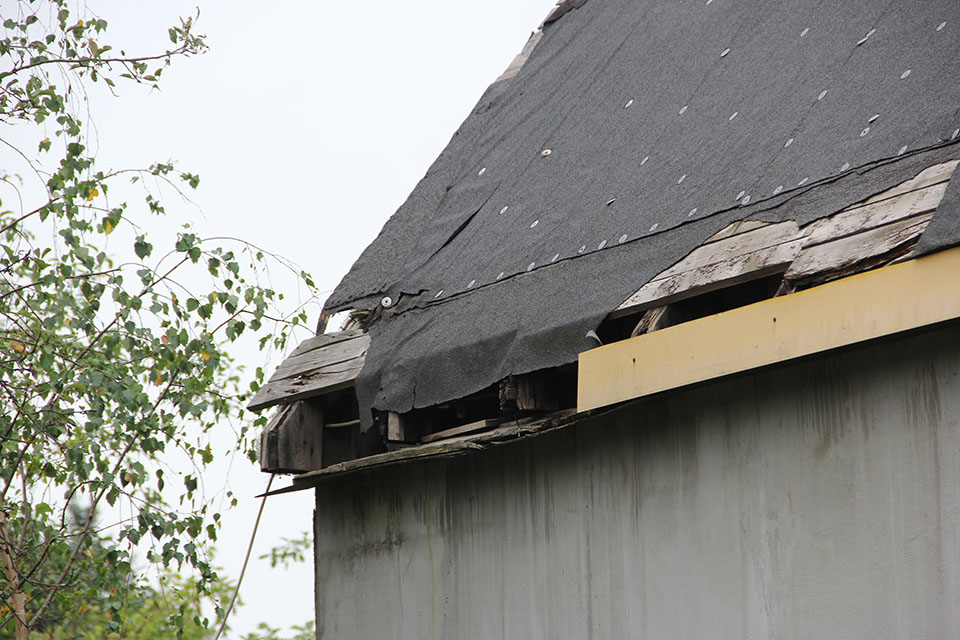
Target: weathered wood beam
856	253
473	427
396	428
319	365
293	440
537	392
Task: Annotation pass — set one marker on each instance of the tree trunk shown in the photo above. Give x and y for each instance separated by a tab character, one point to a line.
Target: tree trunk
17	599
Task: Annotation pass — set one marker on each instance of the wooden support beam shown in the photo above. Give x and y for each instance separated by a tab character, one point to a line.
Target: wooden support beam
537	392
293	440
395	427
473	427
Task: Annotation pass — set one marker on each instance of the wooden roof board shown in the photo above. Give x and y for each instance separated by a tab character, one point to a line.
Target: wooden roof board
322	364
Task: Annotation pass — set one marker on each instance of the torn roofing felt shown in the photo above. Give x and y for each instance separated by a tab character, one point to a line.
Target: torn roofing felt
634	131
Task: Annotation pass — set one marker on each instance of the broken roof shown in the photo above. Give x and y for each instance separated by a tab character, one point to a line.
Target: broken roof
633	132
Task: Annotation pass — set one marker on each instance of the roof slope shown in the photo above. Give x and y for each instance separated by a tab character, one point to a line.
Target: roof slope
634	131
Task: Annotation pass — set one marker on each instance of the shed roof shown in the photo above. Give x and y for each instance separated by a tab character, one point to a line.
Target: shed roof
634	131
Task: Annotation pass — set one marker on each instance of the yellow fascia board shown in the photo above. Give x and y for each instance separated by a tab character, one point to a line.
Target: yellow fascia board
878	303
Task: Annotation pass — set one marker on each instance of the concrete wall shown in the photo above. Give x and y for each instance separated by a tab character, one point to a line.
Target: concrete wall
817	500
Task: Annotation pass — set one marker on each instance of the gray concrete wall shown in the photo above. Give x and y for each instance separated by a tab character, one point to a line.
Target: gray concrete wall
816	500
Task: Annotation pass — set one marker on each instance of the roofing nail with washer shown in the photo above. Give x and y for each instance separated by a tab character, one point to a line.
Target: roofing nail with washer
629	102
692	213
545	153
622	239
905	74
611	201
941	26
504	210
602	244
864	38
683	110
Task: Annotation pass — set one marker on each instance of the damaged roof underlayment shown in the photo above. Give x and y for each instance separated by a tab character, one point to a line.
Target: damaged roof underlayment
634	131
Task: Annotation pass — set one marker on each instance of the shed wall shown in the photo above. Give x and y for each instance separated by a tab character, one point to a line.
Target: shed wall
816	500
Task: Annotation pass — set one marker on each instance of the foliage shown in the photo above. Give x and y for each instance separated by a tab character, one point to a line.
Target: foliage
167	606
113	346
266	632
290	550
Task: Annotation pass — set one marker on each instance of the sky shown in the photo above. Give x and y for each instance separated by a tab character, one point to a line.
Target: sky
309	123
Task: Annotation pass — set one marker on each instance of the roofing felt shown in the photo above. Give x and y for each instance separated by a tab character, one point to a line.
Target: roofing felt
634	131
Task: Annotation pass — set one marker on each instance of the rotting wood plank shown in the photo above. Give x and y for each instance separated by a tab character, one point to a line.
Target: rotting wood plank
737	245
440	449
324	340
851	221
736	228
332	354
473	427
395	427
268	440
327	380
651	320
929	176
711	277
893	299
300	438
536	391
855	253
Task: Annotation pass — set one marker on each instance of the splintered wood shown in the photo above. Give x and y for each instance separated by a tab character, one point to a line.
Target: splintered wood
864	236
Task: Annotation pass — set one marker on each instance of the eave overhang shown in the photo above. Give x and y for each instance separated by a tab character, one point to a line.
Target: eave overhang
894	299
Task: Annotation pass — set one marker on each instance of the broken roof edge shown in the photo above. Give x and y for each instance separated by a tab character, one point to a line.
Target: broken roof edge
563	6
451	447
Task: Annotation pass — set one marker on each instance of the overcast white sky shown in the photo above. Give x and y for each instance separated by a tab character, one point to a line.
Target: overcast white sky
309	124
